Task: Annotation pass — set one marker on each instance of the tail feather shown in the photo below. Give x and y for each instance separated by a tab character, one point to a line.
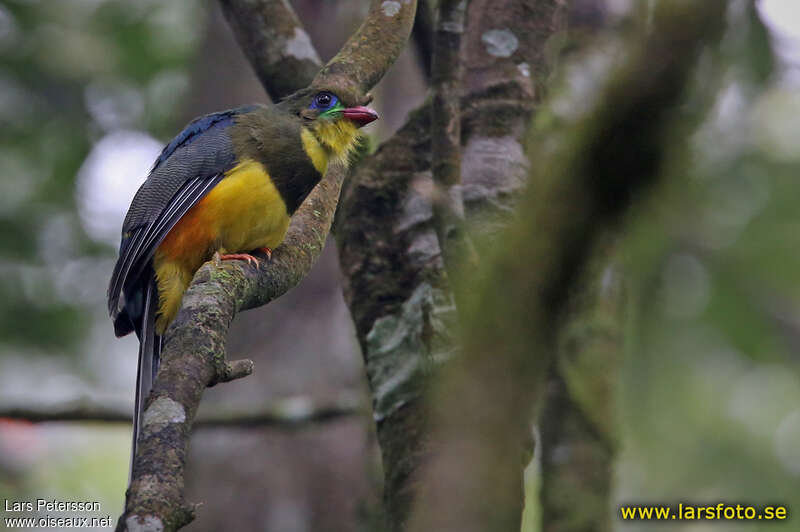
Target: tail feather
149	356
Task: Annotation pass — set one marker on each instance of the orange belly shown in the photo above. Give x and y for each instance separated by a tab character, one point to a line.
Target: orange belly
189	242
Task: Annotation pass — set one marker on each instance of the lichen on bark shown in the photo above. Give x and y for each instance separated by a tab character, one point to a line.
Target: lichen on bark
398	353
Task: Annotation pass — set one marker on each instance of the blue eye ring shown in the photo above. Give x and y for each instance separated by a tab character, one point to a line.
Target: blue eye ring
324	100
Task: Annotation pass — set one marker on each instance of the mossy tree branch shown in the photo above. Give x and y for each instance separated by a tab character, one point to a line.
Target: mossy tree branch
367	55
194	353
576	193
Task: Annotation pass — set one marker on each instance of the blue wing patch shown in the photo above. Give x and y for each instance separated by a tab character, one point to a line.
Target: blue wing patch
198	126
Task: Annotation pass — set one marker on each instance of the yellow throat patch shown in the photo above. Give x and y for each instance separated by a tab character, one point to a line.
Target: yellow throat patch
330	139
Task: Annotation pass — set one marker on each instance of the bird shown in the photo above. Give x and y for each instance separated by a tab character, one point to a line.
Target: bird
226	186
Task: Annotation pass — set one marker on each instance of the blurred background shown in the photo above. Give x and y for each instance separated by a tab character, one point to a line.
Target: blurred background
710	393
90	90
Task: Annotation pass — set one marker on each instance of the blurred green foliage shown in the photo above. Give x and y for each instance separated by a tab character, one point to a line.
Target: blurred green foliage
710	395
70	72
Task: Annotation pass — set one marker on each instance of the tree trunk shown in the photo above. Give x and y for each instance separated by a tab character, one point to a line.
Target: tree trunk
396	285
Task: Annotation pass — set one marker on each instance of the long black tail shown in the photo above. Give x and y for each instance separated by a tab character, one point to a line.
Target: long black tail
149	353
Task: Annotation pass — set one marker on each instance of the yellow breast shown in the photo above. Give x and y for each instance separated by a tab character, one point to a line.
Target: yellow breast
242	212
247	210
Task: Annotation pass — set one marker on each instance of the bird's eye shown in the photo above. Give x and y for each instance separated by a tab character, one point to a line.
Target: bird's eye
323	101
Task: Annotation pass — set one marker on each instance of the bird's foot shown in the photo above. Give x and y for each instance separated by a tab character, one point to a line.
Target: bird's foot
266	251
240	256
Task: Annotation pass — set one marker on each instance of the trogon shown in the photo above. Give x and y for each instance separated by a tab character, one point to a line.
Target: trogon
228	184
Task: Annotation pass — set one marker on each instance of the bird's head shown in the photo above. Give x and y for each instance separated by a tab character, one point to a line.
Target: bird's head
327	106
332	118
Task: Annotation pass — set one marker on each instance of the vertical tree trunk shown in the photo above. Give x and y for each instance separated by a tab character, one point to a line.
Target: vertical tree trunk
396	285
578	421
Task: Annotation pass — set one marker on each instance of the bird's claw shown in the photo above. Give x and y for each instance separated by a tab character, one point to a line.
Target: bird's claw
252	260
267	252
240	256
